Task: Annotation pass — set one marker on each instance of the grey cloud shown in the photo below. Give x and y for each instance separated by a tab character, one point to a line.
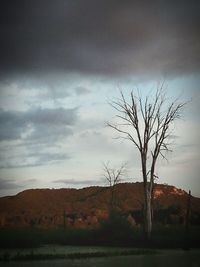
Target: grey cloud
90	133
52	158
6	184
41	122
12	186
34	136
44	134
32	159
104	37
47	86
12	125
82	91
59	116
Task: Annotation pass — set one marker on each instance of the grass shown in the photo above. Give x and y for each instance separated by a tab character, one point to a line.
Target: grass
107	235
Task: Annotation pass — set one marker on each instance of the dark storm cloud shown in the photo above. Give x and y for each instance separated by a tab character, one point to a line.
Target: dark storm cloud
106	37
43	124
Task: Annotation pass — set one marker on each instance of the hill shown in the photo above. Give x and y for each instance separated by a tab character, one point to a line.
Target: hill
87	207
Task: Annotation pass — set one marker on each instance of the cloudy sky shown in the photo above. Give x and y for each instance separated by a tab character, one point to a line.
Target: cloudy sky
62	61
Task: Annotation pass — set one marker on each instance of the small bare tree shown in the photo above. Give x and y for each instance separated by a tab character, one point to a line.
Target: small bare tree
147	124
113	176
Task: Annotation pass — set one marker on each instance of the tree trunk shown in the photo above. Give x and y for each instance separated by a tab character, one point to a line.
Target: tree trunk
187	219
148	213
187	222
147	200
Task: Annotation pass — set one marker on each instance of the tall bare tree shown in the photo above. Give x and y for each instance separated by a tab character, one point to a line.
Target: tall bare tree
146	122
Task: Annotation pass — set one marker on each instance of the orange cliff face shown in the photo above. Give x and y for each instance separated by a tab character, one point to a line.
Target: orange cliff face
163	190
82	208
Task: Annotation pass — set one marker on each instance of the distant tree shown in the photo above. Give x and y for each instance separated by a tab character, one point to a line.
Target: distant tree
146	122
113	176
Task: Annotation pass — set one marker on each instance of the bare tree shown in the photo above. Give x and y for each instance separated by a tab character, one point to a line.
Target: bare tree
146	122
113	176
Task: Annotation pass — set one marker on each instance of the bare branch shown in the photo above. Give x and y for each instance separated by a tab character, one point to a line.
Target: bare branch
114	175
128	135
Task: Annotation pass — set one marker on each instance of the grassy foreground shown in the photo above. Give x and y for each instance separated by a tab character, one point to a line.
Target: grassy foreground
115	231
162	237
